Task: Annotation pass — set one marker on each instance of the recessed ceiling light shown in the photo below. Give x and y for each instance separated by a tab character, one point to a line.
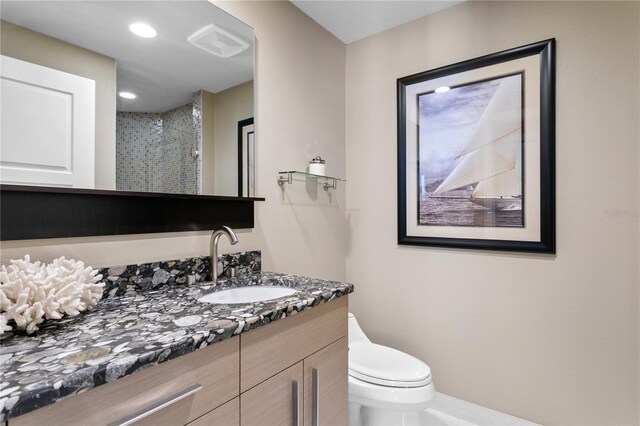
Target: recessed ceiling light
142	30
442	89
127	95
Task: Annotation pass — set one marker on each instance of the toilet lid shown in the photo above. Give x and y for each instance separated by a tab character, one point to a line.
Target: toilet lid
386	366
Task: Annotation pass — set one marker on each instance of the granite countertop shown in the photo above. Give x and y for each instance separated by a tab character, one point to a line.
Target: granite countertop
125	334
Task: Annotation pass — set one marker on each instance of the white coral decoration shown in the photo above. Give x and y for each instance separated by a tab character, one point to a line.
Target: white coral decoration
31	292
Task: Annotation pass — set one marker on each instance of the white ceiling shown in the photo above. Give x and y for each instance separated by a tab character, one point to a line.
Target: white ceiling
352	20
164	71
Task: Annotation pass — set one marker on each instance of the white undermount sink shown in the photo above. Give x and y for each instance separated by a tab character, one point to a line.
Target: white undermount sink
251	294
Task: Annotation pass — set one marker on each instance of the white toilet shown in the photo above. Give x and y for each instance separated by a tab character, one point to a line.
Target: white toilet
386	386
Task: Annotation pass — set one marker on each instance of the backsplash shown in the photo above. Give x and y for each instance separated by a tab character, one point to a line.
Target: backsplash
128	279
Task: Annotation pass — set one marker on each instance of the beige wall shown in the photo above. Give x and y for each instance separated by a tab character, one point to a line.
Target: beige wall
208	143
299	230
553	339
220	115
24	44
232	105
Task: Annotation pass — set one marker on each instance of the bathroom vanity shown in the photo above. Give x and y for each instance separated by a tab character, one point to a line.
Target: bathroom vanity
161	357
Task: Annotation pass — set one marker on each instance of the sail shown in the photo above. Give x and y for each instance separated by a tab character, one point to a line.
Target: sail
507	184
494	146
501	117
490	160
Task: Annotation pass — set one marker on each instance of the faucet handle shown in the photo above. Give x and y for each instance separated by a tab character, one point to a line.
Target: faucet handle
231	272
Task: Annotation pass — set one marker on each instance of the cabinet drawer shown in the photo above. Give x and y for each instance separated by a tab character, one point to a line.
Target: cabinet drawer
226	415
269	350
172	411
216	368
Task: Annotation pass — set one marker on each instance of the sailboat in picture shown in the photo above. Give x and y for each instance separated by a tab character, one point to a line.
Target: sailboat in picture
490	163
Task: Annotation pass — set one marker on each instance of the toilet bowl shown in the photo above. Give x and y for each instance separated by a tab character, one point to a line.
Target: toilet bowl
386	386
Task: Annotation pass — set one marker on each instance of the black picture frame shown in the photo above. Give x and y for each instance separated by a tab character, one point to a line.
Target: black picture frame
546	243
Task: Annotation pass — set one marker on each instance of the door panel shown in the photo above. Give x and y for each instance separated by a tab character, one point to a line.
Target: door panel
48	126
276	401
326	396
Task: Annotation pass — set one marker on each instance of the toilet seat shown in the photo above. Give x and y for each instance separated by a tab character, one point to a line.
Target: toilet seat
381	365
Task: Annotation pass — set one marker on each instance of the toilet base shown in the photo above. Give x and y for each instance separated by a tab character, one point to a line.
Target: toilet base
390	398
360	415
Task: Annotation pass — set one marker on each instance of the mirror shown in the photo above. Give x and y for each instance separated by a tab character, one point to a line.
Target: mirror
143	96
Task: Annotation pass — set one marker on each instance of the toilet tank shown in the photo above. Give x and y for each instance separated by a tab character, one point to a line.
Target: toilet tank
355	332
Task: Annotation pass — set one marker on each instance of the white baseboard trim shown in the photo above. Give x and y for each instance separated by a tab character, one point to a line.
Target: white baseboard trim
450	411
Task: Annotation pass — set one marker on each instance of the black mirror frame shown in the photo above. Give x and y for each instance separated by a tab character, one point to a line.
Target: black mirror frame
34	212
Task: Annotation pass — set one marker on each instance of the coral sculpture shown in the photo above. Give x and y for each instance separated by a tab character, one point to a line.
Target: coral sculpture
33	292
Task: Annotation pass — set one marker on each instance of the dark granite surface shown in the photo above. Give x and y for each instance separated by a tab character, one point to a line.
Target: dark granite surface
141	328
131	279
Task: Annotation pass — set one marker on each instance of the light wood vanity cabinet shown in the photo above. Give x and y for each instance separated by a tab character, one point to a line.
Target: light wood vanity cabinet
291	372
313	341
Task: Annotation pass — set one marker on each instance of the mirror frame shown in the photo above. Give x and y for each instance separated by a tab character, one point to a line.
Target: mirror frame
35	212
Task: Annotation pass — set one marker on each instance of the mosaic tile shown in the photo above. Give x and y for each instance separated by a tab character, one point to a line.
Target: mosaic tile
153	151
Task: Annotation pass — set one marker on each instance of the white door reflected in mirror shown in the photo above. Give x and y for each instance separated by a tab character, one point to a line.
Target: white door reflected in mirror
47	132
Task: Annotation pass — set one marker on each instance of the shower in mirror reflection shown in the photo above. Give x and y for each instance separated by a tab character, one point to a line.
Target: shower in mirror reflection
154	150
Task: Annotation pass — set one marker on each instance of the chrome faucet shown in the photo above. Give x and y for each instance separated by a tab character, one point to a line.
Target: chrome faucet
215	237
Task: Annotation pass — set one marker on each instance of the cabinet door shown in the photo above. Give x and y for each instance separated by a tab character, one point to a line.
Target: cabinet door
226	415
276	401
326	397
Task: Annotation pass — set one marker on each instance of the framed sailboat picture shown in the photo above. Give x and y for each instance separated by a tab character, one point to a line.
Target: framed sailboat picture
476	153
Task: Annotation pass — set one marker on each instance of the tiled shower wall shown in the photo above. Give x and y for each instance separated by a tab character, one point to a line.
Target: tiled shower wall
153	151
136	134
197	121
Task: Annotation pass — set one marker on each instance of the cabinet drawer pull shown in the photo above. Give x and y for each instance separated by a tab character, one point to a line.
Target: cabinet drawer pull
125	421
315	420
296	403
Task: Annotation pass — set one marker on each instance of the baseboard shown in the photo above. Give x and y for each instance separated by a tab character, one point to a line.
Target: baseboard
450	411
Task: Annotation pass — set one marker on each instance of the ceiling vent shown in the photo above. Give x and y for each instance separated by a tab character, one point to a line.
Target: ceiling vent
218	41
